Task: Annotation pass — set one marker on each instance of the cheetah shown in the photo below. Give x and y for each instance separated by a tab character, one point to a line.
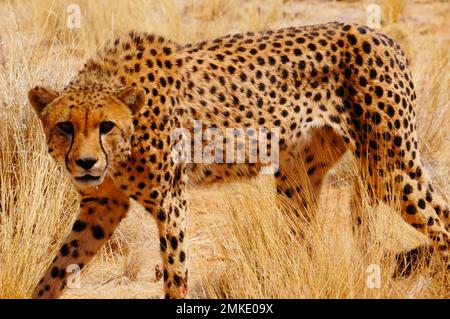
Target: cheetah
329	88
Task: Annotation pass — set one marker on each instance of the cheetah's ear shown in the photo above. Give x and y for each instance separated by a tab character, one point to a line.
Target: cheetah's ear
40	97
133	97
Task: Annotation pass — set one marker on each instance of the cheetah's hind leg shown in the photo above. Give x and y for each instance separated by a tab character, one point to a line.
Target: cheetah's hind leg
409	261
303	169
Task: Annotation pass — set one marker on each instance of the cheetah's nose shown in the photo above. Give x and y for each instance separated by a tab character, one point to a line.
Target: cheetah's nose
86	163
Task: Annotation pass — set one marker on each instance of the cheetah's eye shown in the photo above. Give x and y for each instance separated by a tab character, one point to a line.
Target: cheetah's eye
106	127
66	127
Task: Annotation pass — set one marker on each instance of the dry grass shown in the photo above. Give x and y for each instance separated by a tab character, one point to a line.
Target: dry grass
392	10
241	243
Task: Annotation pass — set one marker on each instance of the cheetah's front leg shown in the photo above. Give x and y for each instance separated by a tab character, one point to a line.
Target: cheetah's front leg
101	210
172	232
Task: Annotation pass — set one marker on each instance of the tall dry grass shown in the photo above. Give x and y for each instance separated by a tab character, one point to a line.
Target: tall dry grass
37	204
392	10
258	255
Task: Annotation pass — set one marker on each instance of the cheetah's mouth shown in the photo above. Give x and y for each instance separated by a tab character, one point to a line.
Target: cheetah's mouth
87	178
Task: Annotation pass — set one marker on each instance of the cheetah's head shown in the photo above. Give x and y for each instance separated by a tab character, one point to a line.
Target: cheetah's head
88	131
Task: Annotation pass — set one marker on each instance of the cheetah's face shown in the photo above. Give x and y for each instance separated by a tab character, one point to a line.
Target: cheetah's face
88	133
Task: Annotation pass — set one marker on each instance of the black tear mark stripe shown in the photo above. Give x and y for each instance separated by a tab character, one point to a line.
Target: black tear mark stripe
103	149
68	152
86	121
